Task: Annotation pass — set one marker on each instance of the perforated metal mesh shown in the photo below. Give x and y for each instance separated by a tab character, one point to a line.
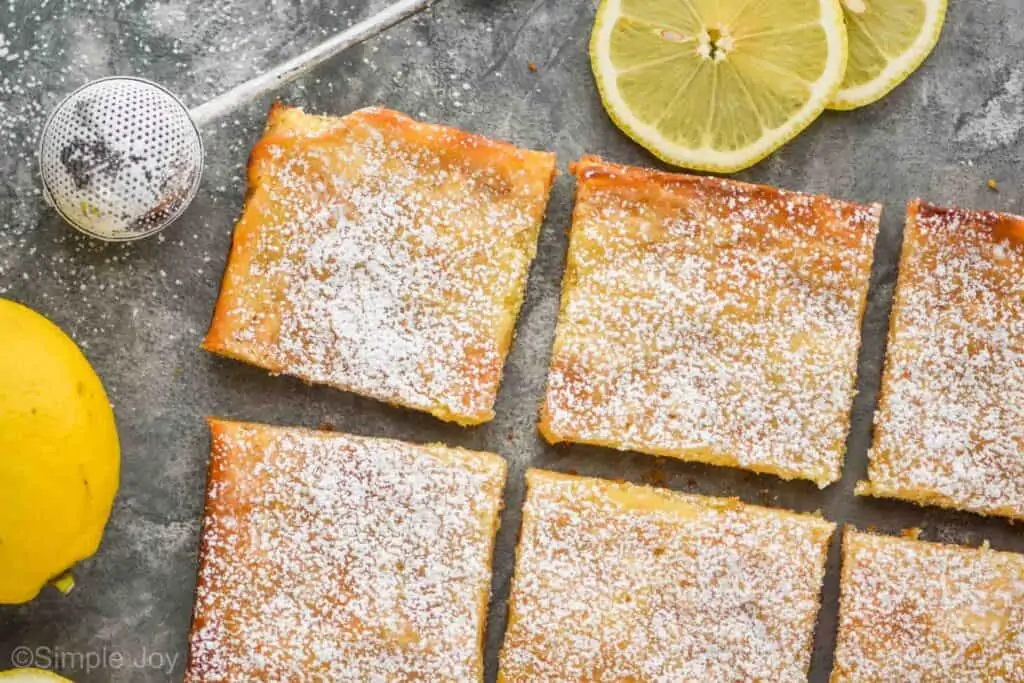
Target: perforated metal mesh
120	158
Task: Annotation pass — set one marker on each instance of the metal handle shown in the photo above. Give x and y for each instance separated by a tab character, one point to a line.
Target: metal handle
304	63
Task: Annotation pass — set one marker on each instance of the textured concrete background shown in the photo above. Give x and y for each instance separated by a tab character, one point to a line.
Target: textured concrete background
139	311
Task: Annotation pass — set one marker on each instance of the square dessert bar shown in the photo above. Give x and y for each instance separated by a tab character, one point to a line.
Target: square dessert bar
950	426
917	611
710	320
329	557
619	582
383	256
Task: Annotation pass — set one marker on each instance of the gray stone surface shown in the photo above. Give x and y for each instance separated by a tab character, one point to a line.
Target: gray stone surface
139	311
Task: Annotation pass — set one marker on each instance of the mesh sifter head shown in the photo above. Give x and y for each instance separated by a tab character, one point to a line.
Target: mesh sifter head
120	158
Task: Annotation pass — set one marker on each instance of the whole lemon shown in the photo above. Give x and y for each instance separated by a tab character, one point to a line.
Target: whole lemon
59	454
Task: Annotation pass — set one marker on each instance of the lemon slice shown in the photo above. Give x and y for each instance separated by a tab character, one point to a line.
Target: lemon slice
31	676
717	85
888	40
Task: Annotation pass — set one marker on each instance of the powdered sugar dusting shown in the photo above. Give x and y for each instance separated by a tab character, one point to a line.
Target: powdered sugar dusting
999	121
334	557
950	428
916	611
390	255
710	320
617	582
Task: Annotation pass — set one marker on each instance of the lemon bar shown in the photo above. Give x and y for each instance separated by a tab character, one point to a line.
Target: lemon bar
710	320
917	611
383	256
329	557
950	426
620	582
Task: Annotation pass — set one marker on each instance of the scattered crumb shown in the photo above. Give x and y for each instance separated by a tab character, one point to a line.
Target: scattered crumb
655	478
993	185
532	66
